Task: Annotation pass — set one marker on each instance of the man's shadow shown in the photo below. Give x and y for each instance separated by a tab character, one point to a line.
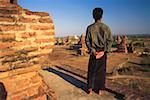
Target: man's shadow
79	84
69	79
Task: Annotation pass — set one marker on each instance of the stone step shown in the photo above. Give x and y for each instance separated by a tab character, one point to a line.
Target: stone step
68	87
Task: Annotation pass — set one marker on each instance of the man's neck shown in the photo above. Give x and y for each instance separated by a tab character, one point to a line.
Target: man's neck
99	20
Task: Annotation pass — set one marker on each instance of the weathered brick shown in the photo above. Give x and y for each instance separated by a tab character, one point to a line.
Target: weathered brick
45	51
7	37
5	4
19	95
26	70
44	40
21	64
41	97
42	14
27	20
6	19
30	49
9	85
32	91
22	43
6	45
22	84
18	69
14	1
41	27
37	53
47	47
6	53
45	20
12	28
4	74
18	79
5	11
10	7
14	58
14	72
4	67
6	16
48	33
36	79
4	0
28	34
50	92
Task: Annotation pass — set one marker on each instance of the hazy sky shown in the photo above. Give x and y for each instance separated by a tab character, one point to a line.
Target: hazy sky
73	16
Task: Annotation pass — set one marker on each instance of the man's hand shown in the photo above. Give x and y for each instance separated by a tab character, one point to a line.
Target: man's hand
99	54
94	53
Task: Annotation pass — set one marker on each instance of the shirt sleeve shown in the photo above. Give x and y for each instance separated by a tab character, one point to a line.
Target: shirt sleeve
109	40
88	41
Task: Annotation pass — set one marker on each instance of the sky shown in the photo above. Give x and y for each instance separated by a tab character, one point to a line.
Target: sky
71	17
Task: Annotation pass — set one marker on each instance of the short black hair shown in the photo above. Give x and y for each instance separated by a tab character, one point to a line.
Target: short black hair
97	13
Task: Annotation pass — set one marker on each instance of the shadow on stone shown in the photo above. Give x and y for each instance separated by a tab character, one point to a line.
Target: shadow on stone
71	72
80	84
118	96
3	92
69	79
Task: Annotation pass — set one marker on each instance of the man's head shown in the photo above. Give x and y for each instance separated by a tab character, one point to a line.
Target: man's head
97	13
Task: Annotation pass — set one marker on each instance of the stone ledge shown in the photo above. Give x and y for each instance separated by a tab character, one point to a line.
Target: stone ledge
19	71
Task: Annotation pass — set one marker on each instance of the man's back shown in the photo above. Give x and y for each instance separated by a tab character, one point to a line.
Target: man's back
98	34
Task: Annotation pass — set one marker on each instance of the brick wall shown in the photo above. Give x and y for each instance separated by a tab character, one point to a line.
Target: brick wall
4	0
10	1
25	37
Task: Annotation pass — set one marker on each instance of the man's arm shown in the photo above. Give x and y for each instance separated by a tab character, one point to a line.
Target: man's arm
109	40
88	42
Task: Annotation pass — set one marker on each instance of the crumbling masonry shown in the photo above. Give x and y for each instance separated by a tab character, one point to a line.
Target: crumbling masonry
25	37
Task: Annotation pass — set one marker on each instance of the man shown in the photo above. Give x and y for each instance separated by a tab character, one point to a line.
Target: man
99	41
